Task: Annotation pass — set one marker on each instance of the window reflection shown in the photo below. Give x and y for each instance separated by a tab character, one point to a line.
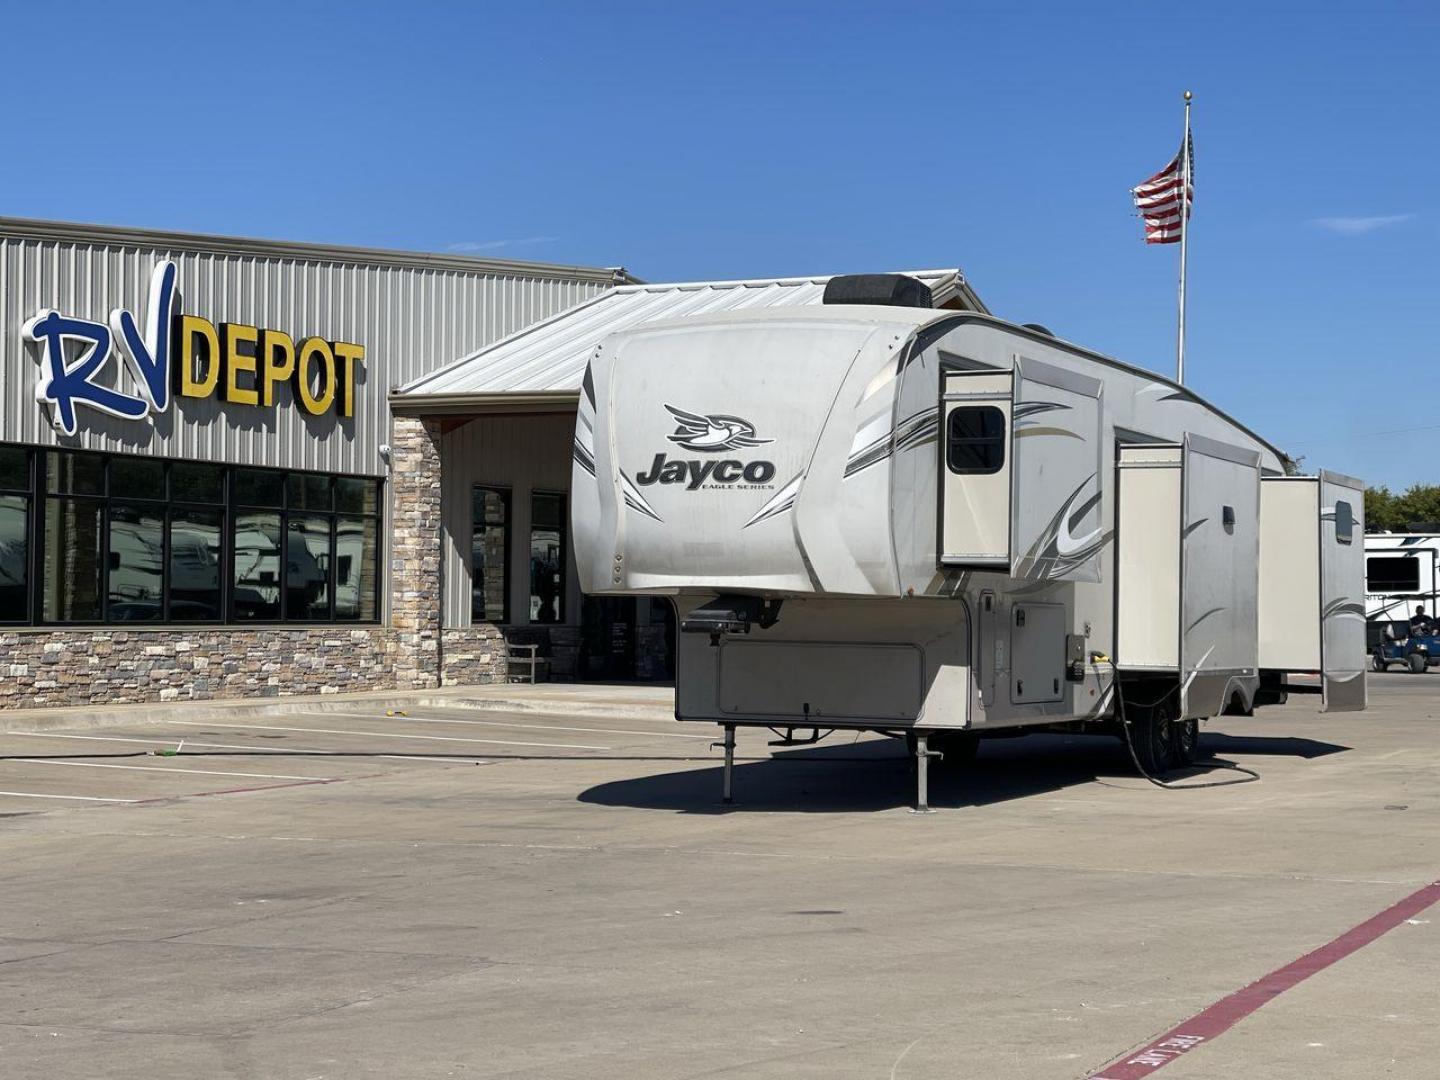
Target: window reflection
488	543
73	560
547	558
136	557
14	557
195	539
307	573
256	591
355	563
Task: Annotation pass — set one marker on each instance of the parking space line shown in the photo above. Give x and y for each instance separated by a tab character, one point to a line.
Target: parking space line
245	747
76	798
385	735
164	769
537	727
171	742
1205	1026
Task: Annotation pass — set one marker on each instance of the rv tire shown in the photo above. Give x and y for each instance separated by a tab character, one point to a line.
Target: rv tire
1185	742
1152	731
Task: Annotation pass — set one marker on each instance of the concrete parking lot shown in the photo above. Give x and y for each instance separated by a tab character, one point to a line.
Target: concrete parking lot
458	892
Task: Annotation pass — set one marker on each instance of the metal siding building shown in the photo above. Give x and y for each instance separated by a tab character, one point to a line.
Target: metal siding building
412	313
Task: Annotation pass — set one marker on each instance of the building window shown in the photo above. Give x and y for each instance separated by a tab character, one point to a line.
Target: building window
490	555
16	485
131	539
1392	574
975	439
547	558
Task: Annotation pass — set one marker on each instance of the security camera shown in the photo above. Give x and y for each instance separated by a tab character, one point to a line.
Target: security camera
385	450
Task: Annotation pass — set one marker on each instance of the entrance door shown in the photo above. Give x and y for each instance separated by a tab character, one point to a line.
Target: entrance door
607	634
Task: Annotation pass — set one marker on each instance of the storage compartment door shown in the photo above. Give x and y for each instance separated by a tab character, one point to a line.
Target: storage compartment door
1219	572
1342	592
1056	532
1147	558
822	680
1037	653
975	469
1290	573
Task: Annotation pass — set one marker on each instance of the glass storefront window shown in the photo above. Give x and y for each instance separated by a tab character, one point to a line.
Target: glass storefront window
255	584
137	478
110	538
14	558
305	491
74	474
259	487
194	483
354	496
74	560
489	548
547	558
136	576
14	469
195	561
307	568
356	546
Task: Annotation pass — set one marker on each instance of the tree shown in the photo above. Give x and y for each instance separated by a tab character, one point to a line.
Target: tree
1421	504
1381	513
1417	506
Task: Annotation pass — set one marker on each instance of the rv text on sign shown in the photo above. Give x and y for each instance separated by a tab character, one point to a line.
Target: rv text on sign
184	355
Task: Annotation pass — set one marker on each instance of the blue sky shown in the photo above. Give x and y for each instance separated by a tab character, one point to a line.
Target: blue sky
739	140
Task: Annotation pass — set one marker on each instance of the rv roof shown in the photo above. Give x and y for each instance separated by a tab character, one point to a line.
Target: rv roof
548	358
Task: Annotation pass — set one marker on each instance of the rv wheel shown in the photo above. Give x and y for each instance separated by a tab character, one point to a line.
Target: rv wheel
1152	731
1417	662
1185	742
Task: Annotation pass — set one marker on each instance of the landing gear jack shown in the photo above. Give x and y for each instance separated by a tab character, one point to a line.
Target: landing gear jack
728	797
919	745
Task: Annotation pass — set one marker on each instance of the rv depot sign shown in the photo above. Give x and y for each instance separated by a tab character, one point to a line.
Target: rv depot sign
184	355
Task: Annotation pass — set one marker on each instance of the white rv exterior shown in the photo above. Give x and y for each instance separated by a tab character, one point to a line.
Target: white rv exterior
914	520
1402	571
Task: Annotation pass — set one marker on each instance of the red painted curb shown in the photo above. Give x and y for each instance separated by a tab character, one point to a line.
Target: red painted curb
1219	1018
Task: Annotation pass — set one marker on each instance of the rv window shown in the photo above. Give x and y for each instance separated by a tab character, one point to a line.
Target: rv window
1344	523
975	440
1392	574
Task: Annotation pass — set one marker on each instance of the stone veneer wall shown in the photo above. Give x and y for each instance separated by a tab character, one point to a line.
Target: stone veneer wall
119	667
113	665
473	655
415	551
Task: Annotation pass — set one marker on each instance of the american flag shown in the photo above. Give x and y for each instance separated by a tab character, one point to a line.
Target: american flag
1158	199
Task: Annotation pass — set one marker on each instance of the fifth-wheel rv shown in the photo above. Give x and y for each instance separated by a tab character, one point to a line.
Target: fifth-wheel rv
871	514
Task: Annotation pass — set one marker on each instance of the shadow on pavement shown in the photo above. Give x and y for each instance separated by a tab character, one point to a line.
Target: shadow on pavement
876	775
1219	743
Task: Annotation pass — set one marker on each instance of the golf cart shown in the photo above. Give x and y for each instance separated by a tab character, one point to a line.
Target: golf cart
1395	644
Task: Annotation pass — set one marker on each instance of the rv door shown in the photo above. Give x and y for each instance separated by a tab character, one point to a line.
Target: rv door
975	470
1342	592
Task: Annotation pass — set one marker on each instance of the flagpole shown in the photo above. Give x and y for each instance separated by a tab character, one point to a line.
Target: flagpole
1184	220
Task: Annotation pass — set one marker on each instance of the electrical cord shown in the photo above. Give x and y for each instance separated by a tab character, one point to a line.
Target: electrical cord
1250	774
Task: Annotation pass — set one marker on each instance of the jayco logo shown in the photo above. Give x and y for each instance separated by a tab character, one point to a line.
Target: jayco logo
183	355
709	434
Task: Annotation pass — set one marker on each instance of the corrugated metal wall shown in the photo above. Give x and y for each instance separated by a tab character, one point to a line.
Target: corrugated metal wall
410	319
523	454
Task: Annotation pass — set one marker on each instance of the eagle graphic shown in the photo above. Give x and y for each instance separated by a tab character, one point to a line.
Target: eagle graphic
711	434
